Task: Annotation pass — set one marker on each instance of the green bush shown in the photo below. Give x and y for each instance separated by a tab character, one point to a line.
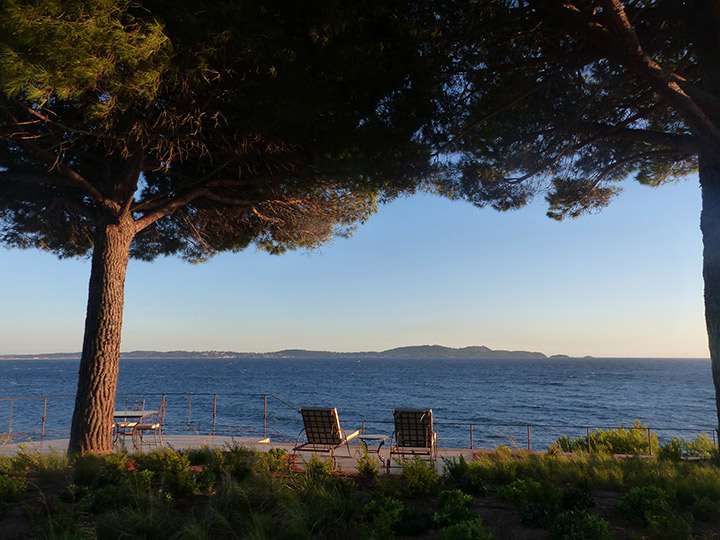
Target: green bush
669	526
420	477
237	461
48	470
88	469
644	504
319	469
275	461
633	440
523	491
416	521
576	499
578	525
12	488
471	529
368	466
384	516
679	447
459	474
454	507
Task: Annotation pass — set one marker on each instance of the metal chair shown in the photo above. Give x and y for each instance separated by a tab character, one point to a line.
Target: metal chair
153	423
322	432
123	426
413	435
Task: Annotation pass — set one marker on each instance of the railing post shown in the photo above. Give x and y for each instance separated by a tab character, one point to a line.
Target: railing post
649	441
189	407
42	432
264	416
714	431
362	429
588	440
472	442
214	412
529	446
10	420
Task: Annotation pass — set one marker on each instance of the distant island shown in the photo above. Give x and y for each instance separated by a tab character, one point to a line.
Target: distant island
420	351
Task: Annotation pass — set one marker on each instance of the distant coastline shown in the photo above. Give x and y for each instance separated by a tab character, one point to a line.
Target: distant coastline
419	351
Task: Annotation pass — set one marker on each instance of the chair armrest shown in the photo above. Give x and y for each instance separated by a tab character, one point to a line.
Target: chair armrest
352	436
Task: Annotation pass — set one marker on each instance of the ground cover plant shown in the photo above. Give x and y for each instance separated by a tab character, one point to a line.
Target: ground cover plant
241	494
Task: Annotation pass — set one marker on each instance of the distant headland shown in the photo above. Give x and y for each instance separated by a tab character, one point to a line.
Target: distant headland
419	351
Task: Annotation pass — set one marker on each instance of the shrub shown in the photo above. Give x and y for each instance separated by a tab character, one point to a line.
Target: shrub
578	525
576	498
88	469
237	461
644	504
460	475
670	526
522	491
416	521
384	516
319	469
420	477
471	529
275	461
679	447
367	465
12	488
203	455
498	467
633	440
47	469
454	507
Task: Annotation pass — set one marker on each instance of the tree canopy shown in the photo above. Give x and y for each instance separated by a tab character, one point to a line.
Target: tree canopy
264	111
567	99
138	129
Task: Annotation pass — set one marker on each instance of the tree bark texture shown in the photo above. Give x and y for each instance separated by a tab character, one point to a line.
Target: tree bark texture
91	429
710	226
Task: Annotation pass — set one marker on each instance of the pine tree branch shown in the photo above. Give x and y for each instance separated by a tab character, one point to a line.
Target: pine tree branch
681	144
637	157
68	177
637	60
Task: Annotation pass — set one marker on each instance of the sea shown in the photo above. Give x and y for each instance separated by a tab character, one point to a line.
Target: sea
481	403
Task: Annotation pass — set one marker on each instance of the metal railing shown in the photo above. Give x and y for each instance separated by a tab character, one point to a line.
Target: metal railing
42	417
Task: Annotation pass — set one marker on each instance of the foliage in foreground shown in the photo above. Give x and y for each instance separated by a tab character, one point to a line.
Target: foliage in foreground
637	440
238	493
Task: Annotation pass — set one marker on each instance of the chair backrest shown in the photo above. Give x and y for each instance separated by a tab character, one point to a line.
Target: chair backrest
322	425
161	411
413	427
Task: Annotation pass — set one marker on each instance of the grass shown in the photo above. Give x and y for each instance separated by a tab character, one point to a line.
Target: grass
240	494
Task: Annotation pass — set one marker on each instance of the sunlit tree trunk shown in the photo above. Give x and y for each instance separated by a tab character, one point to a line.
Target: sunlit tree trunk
91	429
710	225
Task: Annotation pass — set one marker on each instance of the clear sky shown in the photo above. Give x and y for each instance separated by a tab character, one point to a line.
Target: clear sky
424	270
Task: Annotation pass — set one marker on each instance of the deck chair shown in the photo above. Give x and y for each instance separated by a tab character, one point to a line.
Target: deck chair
322	432
152	424
413	436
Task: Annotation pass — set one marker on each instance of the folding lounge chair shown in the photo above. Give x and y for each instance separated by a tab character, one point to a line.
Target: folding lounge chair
322	432
413	436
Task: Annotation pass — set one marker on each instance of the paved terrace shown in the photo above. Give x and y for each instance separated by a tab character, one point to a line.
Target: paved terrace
184	442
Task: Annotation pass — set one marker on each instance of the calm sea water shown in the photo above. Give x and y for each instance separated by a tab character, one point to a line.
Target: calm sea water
501	397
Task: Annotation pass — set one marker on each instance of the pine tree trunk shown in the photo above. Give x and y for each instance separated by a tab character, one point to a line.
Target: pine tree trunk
91	429
710	226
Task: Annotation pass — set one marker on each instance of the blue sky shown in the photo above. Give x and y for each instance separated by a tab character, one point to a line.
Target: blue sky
624	282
